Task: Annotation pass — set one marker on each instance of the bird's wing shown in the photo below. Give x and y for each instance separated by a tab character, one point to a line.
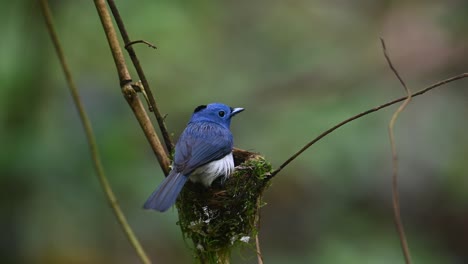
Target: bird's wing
201	143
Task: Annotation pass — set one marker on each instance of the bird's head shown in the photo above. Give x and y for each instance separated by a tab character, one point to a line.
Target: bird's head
215	112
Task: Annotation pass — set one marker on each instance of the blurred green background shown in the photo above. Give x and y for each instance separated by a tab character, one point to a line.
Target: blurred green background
298	67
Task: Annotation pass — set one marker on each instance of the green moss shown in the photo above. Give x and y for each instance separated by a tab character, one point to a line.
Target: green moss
225	215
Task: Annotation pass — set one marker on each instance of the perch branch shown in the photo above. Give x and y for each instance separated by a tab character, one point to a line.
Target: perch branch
129	93
375	109
395	195
90	137
136	63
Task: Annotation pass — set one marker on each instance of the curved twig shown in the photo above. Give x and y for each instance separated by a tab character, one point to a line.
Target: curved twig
140	41
136	63
395	195
375	109
90	137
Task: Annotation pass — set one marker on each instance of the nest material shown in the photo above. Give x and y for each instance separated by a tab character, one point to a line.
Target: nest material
219	218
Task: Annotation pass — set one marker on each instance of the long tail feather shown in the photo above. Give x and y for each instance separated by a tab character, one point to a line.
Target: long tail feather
166	194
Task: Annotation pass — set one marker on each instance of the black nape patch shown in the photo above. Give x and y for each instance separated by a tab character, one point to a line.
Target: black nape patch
199	108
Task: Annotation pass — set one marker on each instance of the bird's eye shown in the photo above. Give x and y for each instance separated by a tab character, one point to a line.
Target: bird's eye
221	113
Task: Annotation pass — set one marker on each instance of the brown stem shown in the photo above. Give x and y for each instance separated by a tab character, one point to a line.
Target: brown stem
140	41
136	63
257	239
395	194
130	94
259	252
375	109
90	137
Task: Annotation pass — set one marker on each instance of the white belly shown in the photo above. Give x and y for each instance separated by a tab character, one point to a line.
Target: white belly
207	173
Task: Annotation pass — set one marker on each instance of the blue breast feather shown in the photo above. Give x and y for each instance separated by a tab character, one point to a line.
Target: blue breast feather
199	144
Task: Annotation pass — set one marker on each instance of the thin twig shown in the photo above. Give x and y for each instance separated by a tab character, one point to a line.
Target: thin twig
395	195
390	64
90	137
375	109
257	240
129	93
136	63
140	41
259	252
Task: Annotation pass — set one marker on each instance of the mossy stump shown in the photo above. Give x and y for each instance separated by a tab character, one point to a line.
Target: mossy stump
224	216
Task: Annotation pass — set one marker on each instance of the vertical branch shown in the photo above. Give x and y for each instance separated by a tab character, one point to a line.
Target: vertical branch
128	91
136	63
396	198
90	137
257	239
259	252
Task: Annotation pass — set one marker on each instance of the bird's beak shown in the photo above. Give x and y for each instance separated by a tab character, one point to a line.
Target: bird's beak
237	110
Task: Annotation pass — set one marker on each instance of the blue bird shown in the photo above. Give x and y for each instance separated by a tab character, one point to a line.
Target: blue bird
202	154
